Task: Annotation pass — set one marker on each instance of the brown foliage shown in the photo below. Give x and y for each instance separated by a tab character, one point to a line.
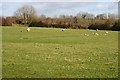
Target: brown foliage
8	21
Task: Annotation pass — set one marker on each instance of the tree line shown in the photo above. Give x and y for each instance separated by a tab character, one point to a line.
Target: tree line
26	15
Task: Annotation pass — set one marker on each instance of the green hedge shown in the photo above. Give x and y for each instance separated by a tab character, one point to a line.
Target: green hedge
37	24
99	26
116	26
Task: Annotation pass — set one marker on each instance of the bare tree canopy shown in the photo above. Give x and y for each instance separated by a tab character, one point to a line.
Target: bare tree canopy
25	14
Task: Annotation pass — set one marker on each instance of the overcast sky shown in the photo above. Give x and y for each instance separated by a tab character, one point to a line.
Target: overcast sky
55	8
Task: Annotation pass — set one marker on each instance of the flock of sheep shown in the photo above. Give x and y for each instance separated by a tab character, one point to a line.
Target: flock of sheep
95	33
28	29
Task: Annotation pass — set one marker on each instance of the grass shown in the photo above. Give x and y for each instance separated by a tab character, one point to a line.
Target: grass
51	53
1	53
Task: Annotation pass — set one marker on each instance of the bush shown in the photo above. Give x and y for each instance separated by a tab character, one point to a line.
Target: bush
104	27
116	27
99	26
94	26
59	25
37	24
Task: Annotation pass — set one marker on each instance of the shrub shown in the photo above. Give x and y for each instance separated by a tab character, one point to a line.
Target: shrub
94	26
99	26
37	24
104	27
116	27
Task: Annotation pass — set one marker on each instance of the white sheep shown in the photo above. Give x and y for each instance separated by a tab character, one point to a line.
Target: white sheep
63	30
86	34
28	29
96	29
96	34
106	32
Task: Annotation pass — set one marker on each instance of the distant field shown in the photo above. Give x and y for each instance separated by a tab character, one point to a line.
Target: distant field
51	53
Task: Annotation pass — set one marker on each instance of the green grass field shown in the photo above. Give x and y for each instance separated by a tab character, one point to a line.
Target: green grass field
51	53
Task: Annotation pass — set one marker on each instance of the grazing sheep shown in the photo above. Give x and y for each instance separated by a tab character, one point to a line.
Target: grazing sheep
86	35
63	30
106	32
96	34
28	29
96	29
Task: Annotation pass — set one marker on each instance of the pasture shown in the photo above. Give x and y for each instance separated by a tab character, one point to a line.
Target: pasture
52	53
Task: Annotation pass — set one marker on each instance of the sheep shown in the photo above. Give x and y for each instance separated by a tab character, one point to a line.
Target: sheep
96	34
96	29
86	34
63	30
28	29
106	32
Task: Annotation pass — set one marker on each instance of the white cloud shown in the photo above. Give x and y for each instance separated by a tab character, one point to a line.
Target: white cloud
59	7
60	0
41	6
17	1
70	8
106	7
0	9
113	5
101	6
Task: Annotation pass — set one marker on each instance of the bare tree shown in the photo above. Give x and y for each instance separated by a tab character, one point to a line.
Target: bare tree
42	16
112	16
25	14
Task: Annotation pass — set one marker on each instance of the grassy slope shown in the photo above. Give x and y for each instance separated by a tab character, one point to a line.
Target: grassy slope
51	53
0	52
